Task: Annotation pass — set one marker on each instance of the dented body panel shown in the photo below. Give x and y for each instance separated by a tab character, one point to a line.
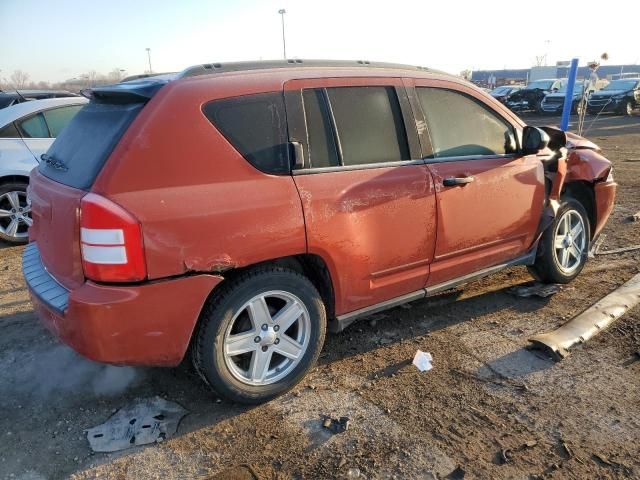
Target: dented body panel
374	228
488	221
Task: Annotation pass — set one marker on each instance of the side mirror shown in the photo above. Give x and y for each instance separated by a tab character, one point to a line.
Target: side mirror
554	90
534	140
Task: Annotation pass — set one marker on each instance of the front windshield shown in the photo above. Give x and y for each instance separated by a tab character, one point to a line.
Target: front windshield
577	88
541	84
621	85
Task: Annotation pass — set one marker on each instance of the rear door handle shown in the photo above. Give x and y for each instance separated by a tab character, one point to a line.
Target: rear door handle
453	181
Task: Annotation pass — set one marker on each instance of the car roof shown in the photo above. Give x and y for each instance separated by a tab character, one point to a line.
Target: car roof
271	71
15	112
28	93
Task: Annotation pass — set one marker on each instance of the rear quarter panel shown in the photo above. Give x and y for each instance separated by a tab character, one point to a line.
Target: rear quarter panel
202	206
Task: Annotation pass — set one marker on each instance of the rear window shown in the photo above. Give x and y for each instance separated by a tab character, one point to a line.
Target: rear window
256	126
80	151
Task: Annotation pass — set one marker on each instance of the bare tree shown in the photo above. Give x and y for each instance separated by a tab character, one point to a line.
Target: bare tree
19	78
114	75
466	74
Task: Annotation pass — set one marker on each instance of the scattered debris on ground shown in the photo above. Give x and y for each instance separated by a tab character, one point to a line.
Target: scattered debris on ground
422	361
590	322
632	248
336	426
595	248
537	289
147	421
634	218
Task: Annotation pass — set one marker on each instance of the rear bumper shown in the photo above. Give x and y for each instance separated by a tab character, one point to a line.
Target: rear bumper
143	324
605	193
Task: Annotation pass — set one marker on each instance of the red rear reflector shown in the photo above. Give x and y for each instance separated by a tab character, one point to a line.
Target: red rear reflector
111	242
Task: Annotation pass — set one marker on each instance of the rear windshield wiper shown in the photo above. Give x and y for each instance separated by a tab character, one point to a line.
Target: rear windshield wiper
53	163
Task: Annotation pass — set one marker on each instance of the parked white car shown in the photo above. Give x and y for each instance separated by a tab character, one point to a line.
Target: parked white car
27	130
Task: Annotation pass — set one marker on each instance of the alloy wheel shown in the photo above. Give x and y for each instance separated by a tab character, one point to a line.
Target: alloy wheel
629	108
15	214
267	338
570	241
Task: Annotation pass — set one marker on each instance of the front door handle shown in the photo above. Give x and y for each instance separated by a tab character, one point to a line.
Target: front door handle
453	181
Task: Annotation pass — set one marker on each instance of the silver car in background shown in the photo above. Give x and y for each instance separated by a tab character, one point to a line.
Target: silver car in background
27	130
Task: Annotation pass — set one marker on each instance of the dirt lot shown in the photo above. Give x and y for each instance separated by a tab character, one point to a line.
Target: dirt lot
489	408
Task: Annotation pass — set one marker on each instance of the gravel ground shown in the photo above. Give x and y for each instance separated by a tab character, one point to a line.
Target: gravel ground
488	409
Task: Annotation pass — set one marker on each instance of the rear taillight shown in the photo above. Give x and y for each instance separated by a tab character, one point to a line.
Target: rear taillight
111	242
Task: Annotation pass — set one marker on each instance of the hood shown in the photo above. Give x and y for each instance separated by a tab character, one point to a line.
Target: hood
577	142
609	93
561	95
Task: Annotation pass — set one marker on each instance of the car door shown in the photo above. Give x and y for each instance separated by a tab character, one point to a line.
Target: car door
489	197
368	199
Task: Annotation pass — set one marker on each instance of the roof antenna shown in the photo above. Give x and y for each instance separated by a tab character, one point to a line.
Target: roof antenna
20	95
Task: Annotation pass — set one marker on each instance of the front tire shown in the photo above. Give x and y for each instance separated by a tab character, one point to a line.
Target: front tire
15	213
260	335
564	246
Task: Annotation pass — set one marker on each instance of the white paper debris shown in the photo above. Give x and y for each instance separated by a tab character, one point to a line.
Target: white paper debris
422	361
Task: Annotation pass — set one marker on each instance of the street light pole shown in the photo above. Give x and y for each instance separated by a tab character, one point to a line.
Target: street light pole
149	57
282	11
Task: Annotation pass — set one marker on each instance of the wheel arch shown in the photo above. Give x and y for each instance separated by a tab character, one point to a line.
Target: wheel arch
311	266
14	178
583	192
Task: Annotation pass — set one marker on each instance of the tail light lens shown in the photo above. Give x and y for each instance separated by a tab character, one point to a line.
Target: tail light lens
111	242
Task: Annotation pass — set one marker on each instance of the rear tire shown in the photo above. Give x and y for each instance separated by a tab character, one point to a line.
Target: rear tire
260	335
564	246
15	212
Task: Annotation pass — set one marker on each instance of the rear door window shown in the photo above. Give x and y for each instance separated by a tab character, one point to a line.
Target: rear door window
58	118
369	124
81	149
354	126
34	127
461	126
256	126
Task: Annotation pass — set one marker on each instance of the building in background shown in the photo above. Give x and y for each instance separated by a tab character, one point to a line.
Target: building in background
560	70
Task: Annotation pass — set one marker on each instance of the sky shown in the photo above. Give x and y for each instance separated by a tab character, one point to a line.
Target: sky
55	40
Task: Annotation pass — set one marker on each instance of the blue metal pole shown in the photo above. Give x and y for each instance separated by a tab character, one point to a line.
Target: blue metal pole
568	98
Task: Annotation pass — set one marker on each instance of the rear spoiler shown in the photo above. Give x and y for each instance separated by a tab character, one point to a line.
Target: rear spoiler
136	91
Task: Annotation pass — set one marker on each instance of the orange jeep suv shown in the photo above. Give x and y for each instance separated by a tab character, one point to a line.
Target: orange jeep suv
241	210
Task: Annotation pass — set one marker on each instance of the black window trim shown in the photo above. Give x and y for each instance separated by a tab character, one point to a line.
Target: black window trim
427	154
298	131
17	129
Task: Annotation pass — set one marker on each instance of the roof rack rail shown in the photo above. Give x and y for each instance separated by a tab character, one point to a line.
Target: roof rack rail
209	68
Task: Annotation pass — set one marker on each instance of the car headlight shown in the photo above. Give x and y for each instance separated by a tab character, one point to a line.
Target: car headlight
610	176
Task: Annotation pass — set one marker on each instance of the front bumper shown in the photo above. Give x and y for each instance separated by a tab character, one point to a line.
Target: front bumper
518	105
604	106
144	324
552	107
